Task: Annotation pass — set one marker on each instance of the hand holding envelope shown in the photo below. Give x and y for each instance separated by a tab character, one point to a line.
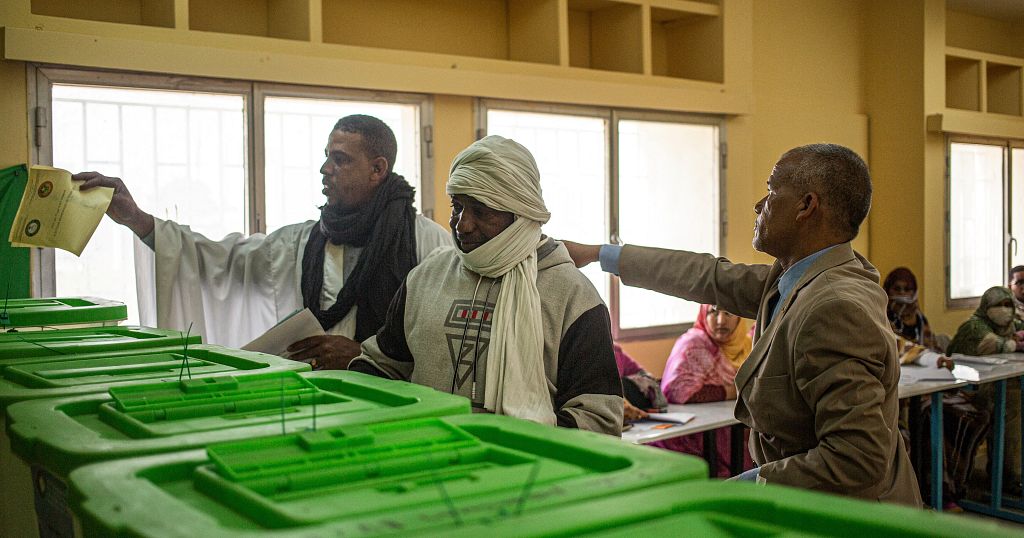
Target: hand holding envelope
54	212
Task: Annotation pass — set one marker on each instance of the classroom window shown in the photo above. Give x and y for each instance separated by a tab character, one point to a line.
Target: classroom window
295	133
986	215
252	150
167	145
668	165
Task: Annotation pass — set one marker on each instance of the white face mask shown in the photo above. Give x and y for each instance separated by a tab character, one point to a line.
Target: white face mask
905	299
1000	315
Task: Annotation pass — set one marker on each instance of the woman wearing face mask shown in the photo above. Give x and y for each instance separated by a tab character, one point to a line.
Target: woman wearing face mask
915	341
905	315
702	368
991	330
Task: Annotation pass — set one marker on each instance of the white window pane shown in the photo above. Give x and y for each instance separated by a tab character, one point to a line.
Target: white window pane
1017	205
975	219
668	198
572	157
167	146
296	132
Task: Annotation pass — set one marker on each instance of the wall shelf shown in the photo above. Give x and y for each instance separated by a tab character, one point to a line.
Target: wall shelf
963	83
688	43
140	12
518	30
1003	87
285	19
606	35
984	82
669	54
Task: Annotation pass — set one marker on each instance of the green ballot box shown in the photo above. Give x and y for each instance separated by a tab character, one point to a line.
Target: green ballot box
38	313
54	436
400	478
52	343
733	509
30	378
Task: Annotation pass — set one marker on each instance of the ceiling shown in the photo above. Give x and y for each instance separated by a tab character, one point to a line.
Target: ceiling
1006	10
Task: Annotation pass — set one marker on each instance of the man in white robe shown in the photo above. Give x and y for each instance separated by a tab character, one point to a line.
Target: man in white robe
234	289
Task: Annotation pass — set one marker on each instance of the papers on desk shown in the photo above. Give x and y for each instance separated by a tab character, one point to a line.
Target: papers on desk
54	212
912	374
971	359
677	418
301	324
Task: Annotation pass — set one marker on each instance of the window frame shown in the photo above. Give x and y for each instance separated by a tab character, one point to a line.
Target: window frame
612	116
42	77
1007	208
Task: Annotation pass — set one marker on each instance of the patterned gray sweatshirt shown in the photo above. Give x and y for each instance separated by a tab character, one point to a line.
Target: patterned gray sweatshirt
437	333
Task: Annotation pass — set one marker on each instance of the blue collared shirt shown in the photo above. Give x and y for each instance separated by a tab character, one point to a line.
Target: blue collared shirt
792	275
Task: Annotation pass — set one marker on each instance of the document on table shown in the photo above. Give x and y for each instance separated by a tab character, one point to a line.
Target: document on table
300	324
54	212
913	374
971	359
678	418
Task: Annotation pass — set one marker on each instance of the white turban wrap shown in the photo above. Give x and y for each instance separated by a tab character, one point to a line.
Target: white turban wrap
502	174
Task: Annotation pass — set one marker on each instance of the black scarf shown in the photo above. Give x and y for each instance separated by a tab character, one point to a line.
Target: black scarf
385	228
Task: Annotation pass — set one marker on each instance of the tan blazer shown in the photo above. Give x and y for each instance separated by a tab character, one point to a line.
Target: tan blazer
819	387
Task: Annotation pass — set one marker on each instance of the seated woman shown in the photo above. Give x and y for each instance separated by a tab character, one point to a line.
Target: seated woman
991	330
965	425
905	315
702	368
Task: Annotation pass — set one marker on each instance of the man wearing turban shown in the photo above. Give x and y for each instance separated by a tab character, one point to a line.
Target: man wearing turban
504	318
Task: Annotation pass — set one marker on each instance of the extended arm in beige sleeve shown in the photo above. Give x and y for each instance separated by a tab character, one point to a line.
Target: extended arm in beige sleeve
702	278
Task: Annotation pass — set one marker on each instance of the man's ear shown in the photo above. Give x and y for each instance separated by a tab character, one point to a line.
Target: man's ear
378	169
808	205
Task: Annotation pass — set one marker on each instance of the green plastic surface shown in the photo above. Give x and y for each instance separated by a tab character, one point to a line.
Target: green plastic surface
15	275
728	509
51	311
63	433
66	375
398	477
53	343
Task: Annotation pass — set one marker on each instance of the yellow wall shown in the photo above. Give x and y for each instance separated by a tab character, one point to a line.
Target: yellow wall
14	148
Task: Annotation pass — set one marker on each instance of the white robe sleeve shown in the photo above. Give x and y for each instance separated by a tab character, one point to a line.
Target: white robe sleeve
231	290
430	235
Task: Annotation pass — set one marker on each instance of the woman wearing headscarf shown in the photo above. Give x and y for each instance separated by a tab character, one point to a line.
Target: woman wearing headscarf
903	309
991	330
702	368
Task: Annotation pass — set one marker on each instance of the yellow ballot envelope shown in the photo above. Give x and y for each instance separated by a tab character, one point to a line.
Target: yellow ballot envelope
54	212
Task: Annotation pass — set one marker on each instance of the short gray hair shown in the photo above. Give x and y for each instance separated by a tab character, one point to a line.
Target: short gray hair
840	178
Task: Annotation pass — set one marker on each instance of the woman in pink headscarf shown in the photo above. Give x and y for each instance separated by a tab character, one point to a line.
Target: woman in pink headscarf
702	368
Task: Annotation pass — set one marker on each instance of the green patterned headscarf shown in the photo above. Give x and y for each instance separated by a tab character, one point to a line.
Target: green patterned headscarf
979	335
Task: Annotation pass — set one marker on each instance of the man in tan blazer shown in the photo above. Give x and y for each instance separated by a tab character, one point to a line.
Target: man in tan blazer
819	387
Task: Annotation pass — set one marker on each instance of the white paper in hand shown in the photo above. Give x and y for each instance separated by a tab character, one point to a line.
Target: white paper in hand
301	324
